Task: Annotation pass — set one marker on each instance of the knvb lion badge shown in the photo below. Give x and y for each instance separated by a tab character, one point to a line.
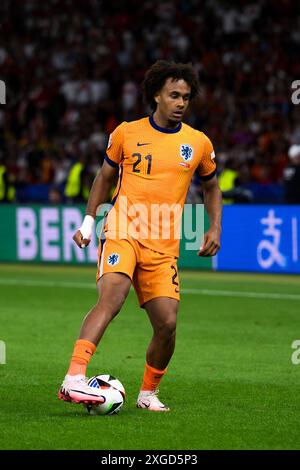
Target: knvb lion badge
186	152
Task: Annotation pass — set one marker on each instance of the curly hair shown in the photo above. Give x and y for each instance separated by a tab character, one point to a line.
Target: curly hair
159	72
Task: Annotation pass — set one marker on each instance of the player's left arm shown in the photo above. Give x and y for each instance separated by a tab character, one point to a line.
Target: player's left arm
213	204
212	200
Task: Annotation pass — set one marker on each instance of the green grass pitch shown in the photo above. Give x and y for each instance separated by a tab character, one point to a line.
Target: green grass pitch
231	383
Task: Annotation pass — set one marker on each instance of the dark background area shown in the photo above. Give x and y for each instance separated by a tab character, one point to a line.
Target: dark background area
73	71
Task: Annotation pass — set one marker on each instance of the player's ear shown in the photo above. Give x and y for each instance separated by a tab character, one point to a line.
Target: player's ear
157	98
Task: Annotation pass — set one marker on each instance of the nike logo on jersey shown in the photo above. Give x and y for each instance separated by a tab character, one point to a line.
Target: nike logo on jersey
139	144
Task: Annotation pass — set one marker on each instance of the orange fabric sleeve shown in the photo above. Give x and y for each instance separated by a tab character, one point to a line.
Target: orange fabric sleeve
207	164
114	151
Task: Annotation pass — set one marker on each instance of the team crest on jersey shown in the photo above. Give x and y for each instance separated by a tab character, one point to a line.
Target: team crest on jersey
186	152
113	259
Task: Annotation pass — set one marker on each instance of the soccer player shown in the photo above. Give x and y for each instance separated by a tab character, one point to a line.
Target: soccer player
155	158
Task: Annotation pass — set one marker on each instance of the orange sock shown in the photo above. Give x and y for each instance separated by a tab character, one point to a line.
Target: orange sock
82	353
152	377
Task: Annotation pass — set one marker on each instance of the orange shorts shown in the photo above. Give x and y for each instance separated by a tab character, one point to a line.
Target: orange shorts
153	274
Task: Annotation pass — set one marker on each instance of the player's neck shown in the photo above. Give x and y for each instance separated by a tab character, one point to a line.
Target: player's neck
163	122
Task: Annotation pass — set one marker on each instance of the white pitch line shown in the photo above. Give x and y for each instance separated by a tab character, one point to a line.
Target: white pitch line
209	292
232	293
35	283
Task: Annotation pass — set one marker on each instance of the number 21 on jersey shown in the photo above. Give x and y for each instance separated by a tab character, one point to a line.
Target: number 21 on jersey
138	158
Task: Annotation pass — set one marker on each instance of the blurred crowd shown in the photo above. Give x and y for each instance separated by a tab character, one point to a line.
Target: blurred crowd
73	71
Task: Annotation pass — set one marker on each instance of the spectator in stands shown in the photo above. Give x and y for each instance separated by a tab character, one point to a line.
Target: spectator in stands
54	195
292	176
7	190
77	187
230	183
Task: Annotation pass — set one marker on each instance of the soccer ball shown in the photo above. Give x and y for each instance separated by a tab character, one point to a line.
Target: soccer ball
113	392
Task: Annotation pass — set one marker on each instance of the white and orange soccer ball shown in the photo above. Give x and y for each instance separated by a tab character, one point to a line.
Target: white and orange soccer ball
113	392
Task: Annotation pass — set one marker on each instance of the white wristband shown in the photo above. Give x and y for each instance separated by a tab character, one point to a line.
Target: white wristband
87	227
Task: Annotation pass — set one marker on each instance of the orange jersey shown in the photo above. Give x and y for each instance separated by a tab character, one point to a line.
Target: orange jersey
156	166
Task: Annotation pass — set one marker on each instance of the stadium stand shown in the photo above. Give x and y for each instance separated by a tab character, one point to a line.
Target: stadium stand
73	69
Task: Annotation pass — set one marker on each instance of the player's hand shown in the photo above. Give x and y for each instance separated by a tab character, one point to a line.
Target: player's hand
83	235
79	240
211	243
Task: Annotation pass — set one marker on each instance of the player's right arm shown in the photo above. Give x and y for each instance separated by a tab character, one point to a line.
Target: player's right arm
102	185
99	193
101	188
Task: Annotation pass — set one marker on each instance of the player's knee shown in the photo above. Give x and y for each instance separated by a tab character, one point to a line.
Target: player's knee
167	330
111	305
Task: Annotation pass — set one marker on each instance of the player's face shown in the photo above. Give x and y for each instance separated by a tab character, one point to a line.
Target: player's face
173	99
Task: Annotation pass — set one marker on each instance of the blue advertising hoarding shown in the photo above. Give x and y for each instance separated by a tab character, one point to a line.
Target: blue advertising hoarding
260	238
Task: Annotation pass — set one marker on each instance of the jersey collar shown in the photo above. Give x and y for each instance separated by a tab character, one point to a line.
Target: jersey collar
162	129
